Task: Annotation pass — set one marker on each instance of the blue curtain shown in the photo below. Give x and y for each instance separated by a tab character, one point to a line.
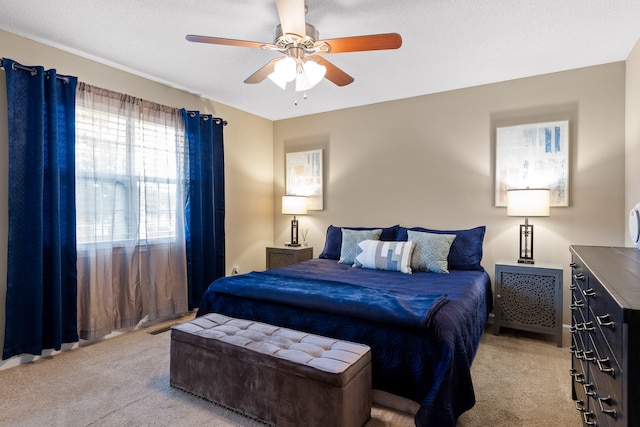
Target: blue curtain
41	302
205	206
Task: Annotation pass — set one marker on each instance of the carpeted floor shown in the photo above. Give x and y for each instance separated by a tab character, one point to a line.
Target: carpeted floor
124	381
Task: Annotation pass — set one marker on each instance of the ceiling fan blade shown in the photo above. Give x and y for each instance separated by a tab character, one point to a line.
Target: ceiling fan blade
291	13
227	42
362	43
334	74
263	72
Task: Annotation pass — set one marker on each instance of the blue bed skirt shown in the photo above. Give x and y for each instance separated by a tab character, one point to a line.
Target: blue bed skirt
423	328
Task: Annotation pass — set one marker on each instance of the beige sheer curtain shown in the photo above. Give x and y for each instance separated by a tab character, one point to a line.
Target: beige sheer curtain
130	211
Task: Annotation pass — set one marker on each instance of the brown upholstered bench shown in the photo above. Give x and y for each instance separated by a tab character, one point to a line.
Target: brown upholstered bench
276	375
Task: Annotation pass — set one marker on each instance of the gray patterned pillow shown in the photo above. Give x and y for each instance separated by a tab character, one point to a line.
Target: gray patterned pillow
376	254
350	242
431	251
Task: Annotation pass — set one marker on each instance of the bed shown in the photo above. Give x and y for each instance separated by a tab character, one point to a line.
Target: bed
423	328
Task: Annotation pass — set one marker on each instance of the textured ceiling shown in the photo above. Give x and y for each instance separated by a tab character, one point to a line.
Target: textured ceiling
447	44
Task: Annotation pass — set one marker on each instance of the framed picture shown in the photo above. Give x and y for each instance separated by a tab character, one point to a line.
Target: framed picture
533	155
303	176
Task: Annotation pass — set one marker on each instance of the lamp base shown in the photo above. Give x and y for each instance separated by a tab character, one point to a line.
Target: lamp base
526	243
292	245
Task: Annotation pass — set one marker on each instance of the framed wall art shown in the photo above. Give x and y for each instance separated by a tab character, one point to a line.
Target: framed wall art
533	155
303	177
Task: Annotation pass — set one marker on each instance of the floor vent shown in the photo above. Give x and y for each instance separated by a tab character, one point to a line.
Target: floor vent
162	329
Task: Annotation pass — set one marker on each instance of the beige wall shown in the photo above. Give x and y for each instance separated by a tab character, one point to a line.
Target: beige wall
422	161
428	161
632	133
248	141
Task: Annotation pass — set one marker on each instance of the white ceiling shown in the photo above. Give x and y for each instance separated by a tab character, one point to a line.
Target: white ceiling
447	44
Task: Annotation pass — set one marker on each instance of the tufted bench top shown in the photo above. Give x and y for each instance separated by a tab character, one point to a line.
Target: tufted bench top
329	360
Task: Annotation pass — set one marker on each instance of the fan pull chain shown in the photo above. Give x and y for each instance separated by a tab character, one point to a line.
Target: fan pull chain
295	100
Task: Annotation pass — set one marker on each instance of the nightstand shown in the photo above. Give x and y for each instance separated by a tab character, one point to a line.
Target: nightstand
528	297
286	255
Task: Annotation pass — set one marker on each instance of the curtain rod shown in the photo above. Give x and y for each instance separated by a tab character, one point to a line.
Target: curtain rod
31	70
218	120
34	71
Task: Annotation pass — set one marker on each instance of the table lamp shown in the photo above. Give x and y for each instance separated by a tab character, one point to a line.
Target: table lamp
526	202
294	205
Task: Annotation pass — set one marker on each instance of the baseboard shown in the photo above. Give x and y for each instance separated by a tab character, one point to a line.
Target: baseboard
23	359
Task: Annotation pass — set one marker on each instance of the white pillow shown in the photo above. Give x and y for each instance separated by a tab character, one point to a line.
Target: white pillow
380	255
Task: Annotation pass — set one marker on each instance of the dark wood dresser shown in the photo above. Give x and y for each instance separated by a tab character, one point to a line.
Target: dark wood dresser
605	334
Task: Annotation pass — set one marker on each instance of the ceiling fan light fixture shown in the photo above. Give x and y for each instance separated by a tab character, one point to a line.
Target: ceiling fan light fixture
302	83
310	74
300	42
314	71
284	71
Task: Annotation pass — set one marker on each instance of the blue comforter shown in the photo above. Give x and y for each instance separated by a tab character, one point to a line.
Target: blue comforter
423	328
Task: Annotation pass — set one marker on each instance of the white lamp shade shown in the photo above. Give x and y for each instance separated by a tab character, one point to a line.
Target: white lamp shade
294	205
284	71
313	74
528	202
306	75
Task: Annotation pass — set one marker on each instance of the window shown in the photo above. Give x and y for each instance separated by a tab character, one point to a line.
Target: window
127	171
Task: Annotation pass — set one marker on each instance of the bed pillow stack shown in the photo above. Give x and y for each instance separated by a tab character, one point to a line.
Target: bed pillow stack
434	250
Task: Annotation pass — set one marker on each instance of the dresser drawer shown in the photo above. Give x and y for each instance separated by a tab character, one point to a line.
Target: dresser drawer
607	362
606	405
578	274
607	315
605	372
578	334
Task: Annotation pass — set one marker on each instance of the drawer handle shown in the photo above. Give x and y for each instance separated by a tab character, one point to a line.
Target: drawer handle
572	287
573	265
587	326
577	304
580	406
604	366
589	292
607	401
587	387
579	276
606	322
580	355
588	356
587	417
577	376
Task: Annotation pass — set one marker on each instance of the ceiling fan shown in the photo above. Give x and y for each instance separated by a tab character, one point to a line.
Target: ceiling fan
299	42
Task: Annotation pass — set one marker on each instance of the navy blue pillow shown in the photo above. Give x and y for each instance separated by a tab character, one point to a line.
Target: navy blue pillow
466	249
333	241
